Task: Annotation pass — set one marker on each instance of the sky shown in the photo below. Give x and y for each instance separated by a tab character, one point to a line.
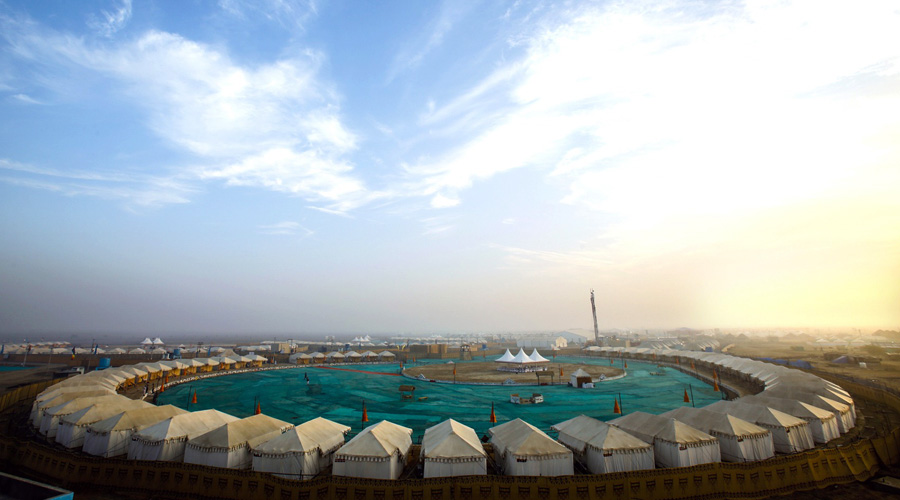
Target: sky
326	167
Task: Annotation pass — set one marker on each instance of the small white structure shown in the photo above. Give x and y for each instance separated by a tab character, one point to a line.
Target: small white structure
229	445
523	450
167	439
453	449
112	436
378	452
542	341
739	440
675	444
581	379
301	452
604	448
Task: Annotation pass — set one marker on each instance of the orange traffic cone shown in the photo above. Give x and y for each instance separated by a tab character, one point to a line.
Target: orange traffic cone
493	418
258	409
616	408
625	364
560	371
686	398
716	386
194	399
365	416
162	388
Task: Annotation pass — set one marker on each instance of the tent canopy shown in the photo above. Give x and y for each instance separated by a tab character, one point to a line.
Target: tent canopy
451	439
381	440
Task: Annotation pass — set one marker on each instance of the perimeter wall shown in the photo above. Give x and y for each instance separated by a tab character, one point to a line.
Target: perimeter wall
777	476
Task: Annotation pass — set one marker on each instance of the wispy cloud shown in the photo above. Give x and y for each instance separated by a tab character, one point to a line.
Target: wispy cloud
108	23
272	126
134	190
451	12
289	13
26	99
285	228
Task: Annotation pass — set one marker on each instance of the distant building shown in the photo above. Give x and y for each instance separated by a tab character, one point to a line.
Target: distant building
573	337
542	341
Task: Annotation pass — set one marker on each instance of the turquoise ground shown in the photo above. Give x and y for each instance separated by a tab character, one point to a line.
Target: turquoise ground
9	368
284	394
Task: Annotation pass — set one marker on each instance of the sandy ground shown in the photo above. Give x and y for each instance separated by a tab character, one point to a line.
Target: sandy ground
487	372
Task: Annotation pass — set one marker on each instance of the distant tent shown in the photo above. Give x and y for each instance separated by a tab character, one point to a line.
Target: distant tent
822	423
301	452
453	449
229	445
378	452
506	358
537	358
675	444
386	355
524	450
167	439
111	437
604	448
739	440
137	350
147	341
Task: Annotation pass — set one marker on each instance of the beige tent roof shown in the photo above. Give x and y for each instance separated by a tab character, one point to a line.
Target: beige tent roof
521	438
580	373
318	355
207	361
794	407
251	431
647	427
711	421
317	434
175	364
135	370
451	439
386	354
581	431
225	359
185	426
334	354
136	419
381	440
756	413
99	411
83	402
71	393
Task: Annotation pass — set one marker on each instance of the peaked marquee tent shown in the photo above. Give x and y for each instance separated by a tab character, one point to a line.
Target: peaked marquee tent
301	452
675	444
72	428
453	449
739	440
378	452
168	439
524	450
111	437
229	445
789	433
604	448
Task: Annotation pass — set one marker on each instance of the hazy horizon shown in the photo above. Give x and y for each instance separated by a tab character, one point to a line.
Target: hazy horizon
451	166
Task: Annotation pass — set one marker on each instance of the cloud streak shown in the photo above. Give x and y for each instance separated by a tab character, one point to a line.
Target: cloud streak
108	23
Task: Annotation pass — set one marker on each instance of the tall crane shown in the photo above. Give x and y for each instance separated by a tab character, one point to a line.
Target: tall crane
594	310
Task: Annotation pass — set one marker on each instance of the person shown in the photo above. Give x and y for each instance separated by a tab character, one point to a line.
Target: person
306	377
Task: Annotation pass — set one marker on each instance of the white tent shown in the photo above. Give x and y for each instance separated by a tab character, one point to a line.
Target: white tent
158	341
158	350
137	350
301	452
51	416
71	429
789	433
229	445
506	358
378	452
537	358
147	341
521	357
453	449
822	423
739	440
386	355
111	437
604	448
167	439
846	420
523	450
579	374
675	444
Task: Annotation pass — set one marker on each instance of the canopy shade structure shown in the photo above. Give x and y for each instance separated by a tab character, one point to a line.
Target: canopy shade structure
789	433
524	450
604	448
675	444
453	449
506	358
111	437
167	439
739	440
301	452
378	452
537	358
71	429
822	423
229	445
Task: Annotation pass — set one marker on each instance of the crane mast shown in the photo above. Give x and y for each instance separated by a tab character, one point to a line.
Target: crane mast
594	311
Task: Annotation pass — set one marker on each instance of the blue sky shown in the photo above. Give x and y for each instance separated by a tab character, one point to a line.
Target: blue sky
338	166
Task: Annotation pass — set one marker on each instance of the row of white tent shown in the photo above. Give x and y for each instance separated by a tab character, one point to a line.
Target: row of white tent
335	356
796	411
521	357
